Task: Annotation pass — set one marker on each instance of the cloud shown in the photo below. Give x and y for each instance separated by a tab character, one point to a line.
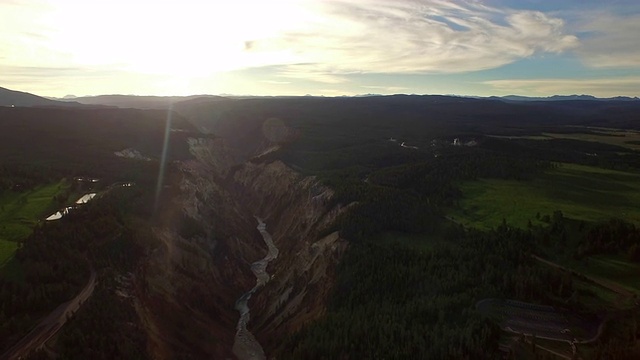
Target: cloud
312	72
274	82
322	41
59	81
433	36
386	88
610	41
603	87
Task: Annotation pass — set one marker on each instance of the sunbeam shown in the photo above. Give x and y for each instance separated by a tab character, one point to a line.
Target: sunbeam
163	158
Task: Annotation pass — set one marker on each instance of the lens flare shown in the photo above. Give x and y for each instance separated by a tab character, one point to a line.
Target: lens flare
163	158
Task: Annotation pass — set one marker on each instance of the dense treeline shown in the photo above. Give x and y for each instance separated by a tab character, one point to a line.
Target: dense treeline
107	327
40	144
44	273
20	177
393	301
589	153
54	262
399	301
410	197
405	301
615	237
44	145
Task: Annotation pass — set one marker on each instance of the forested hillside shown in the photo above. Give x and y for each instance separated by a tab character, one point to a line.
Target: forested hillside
406	182
409	283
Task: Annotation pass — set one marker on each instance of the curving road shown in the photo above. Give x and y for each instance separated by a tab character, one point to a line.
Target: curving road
613	286
51	324
245	346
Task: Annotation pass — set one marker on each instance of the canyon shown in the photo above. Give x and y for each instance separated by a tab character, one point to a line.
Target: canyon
207	241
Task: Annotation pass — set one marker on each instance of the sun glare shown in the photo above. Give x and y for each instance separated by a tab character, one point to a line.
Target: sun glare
178	38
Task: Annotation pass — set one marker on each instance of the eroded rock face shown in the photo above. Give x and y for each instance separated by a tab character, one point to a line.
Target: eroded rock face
191	282
296	209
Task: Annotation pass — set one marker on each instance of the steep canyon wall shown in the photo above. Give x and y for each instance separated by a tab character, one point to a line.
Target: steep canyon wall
209	239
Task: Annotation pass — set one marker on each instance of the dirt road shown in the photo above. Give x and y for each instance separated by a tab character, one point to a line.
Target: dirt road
602	282
51	324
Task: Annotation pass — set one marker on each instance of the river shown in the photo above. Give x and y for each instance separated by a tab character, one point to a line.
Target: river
245	346
65	211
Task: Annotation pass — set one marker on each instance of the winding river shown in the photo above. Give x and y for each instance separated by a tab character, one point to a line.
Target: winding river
245	346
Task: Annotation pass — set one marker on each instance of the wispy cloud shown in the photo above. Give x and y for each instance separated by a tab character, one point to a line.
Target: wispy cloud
55	81
274	82
299	43
385	88
418	37
312	72
610	41
605	87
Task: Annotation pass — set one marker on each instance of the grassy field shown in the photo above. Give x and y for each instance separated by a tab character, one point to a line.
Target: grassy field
7	248
619	137
19	213
624	138
580	192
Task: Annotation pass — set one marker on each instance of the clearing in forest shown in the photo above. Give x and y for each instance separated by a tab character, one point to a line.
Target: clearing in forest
20	212
580	192
619	137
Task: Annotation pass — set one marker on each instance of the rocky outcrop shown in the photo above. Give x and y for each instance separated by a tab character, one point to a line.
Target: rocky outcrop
209	239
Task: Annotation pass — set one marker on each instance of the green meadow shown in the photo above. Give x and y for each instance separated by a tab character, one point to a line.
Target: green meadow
619	137
7	248
20	212
580	192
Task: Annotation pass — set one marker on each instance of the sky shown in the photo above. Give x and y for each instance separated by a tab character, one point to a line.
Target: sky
321	47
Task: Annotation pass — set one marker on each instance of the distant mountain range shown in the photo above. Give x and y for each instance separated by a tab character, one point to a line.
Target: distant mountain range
19	98
563	98
11	98
22	99
518	98
134	101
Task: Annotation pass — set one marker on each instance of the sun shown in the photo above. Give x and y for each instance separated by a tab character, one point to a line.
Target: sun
177	38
